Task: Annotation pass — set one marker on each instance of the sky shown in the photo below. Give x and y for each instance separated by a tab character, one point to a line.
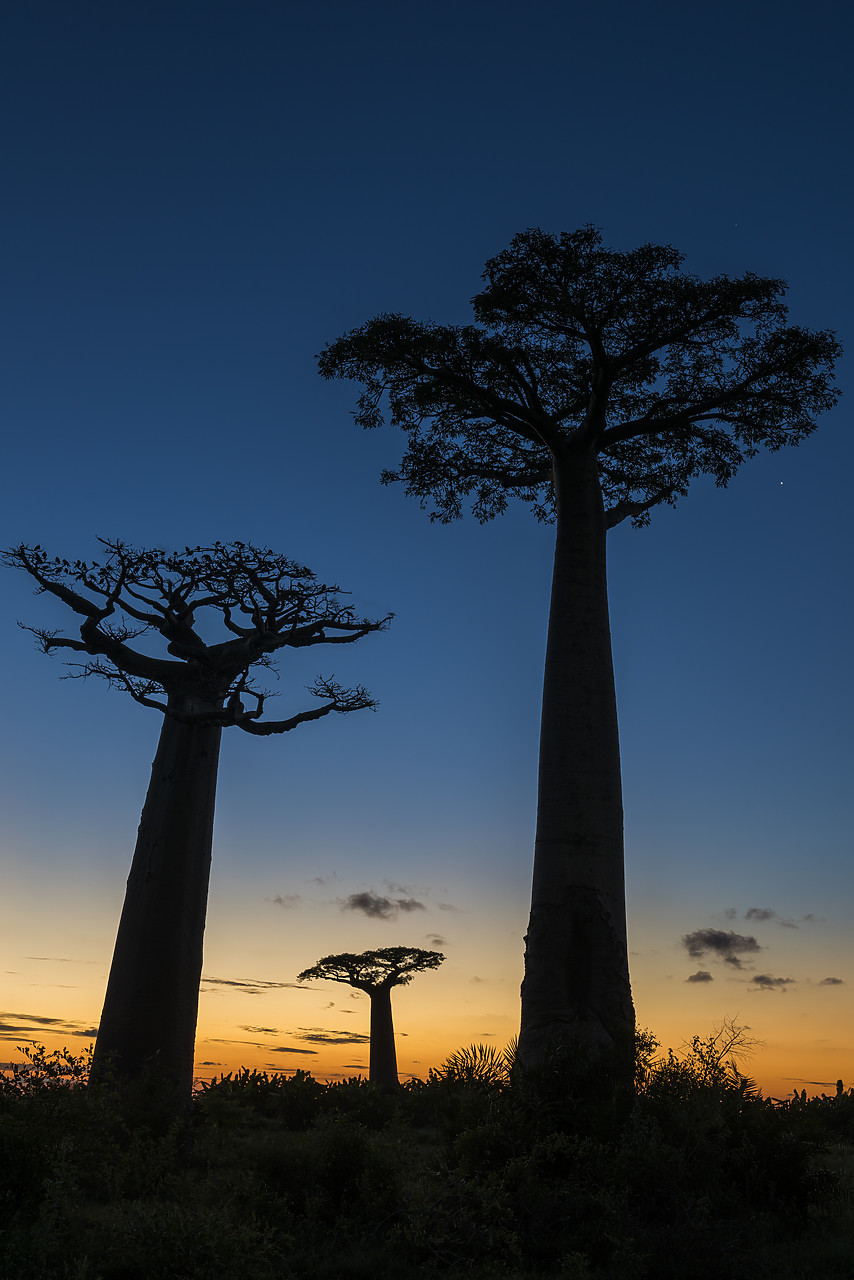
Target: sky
198	197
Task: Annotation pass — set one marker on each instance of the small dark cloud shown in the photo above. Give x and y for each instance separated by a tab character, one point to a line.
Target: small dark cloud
61	960
726	946
447	906
378	907
760	913
730	913
287	900
476	979
288	1048
702	975
767	983
261	1031
436	940
831	982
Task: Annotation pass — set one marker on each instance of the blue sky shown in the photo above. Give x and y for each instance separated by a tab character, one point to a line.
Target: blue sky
198	197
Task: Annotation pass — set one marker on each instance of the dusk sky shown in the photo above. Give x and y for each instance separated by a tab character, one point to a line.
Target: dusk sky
197	197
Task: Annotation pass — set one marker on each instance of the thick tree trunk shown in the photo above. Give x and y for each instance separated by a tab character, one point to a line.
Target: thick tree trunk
383	1058
151	1005
576	986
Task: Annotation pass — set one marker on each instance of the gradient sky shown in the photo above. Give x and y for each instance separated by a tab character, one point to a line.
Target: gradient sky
198	196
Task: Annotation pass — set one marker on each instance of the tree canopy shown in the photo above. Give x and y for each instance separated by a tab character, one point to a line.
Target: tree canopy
578	347
265	601
374	970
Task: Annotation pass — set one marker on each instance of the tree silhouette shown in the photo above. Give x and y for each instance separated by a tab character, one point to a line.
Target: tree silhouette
595	385
266	603
376	972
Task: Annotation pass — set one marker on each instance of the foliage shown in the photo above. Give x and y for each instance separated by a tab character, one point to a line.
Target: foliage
374	970
265	602
662	375
292	1179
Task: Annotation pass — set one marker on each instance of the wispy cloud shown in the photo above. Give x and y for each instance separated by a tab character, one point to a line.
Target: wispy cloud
831	982
378	907
316	1035
287	900
447	906
436	940
21	1025
252	986
726	946
288	1048
261	1031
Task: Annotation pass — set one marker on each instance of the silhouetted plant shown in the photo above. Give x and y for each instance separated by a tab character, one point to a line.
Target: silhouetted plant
594	385
377	973
265	603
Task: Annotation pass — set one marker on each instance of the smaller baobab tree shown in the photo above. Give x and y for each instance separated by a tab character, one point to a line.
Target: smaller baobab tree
266	602
376	972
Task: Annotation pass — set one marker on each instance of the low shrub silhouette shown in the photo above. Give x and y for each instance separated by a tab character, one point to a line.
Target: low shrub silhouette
291	1178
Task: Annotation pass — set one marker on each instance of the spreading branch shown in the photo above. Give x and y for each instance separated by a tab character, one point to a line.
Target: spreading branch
266	603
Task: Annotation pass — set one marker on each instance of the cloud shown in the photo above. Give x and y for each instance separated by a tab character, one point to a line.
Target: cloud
288	900
447	906
724	946
288	1048
831	982
15	1025
61	960
767	983
252	986
702	975
316	1035
760	913
379	908
436	940
476	979
261	1031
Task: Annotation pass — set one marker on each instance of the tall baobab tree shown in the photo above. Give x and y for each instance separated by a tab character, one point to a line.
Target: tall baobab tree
376	972
594	385
266	603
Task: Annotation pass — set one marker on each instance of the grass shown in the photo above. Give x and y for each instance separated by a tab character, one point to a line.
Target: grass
471	1173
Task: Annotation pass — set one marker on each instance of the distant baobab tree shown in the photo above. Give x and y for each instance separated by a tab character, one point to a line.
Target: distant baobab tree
265	602
594	385
376	972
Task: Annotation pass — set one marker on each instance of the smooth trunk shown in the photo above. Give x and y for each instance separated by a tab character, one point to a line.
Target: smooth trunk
151	1004
576	986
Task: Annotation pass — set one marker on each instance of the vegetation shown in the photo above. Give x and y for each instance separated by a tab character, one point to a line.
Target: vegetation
464	1174
262	603
376	973
594	385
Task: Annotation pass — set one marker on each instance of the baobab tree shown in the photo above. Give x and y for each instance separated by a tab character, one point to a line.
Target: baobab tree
594	385
375	973
266	603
